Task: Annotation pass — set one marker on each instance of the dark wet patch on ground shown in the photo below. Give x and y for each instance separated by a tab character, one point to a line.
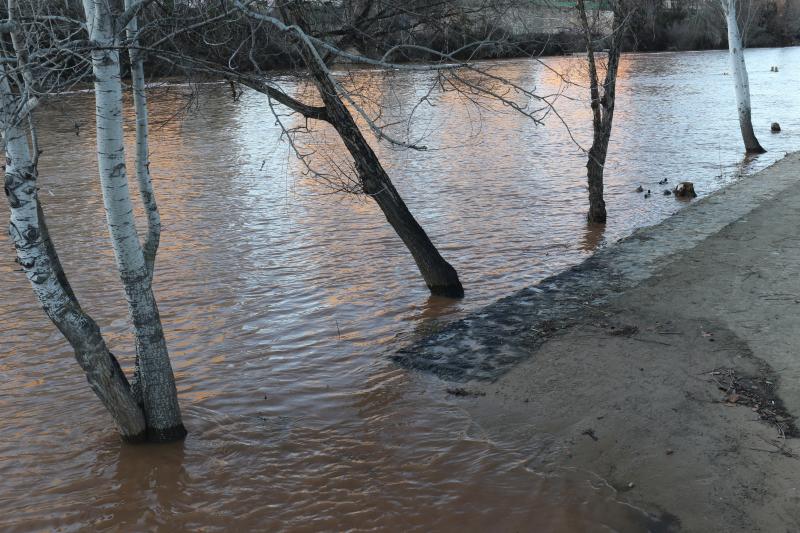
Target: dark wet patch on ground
757	392
485	344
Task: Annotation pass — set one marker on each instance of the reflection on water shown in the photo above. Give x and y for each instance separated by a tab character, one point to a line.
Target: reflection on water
280	301
593	237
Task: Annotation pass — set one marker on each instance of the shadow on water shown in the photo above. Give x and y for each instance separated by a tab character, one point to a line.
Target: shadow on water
159	468
748	164
149	483
434	313
593	237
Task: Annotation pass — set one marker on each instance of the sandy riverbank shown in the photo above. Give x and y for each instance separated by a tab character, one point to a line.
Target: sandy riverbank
667	365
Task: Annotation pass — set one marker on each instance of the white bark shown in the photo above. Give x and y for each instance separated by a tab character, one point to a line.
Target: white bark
155	381
143	178
36	254
741	82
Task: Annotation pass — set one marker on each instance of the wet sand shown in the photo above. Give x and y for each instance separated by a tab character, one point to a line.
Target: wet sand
667	366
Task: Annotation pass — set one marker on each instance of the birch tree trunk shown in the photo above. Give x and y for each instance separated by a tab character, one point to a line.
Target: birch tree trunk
143	178
741	83
150	247
155	384
39	260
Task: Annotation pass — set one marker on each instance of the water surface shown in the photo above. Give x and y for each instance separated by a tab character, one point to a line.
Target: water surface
281	298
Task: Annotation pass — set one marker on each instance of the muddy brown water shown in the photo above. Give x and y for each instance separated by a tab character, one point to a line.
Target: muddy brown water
281	301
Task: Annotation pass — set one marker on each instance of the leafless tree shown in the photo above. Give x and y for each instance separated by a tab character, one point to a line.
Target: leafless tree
45	52
318	34
602	103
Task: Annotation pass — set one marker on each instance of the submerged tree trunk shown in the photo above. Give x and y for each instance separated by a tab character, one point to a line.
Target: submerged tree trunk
602	111
740	80
38	258
155	385
440	277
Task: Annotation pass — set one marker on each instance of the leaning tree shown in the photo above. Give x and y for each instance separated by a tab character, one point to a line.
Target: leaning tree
253	29
440	277
325	42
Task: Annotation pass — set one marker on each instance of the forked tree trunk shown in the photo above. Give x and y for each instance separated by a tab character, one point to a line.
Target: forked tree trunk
37	256
440	277
150	247
740	80
156	383
602	111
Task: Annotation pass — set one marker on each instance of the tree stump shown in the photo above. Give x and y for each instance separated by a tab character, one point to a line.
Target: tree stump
685	189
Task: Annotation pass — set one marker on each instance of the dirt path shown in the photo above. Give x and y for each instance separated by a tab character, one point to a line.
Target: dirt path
668	365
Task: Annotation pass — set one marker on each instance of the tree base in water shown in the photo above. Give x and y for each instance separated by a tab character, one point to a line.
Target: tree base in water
756	150
450	291
139	438
155	435
596	217
166	435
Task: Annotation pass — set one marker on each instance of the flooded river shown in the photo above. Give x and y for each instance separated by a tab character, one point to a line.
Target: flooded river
281	301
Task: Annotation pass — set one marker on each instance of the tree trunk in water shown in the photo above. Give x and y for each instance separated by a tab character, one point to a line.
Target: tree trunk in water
602	111
439	275
156	382
37	256
741	82
143	178
594	172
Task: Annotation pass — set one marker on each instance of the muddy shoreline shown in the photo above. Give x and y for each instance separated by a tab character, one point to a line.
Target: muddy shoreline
664	366
476	346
